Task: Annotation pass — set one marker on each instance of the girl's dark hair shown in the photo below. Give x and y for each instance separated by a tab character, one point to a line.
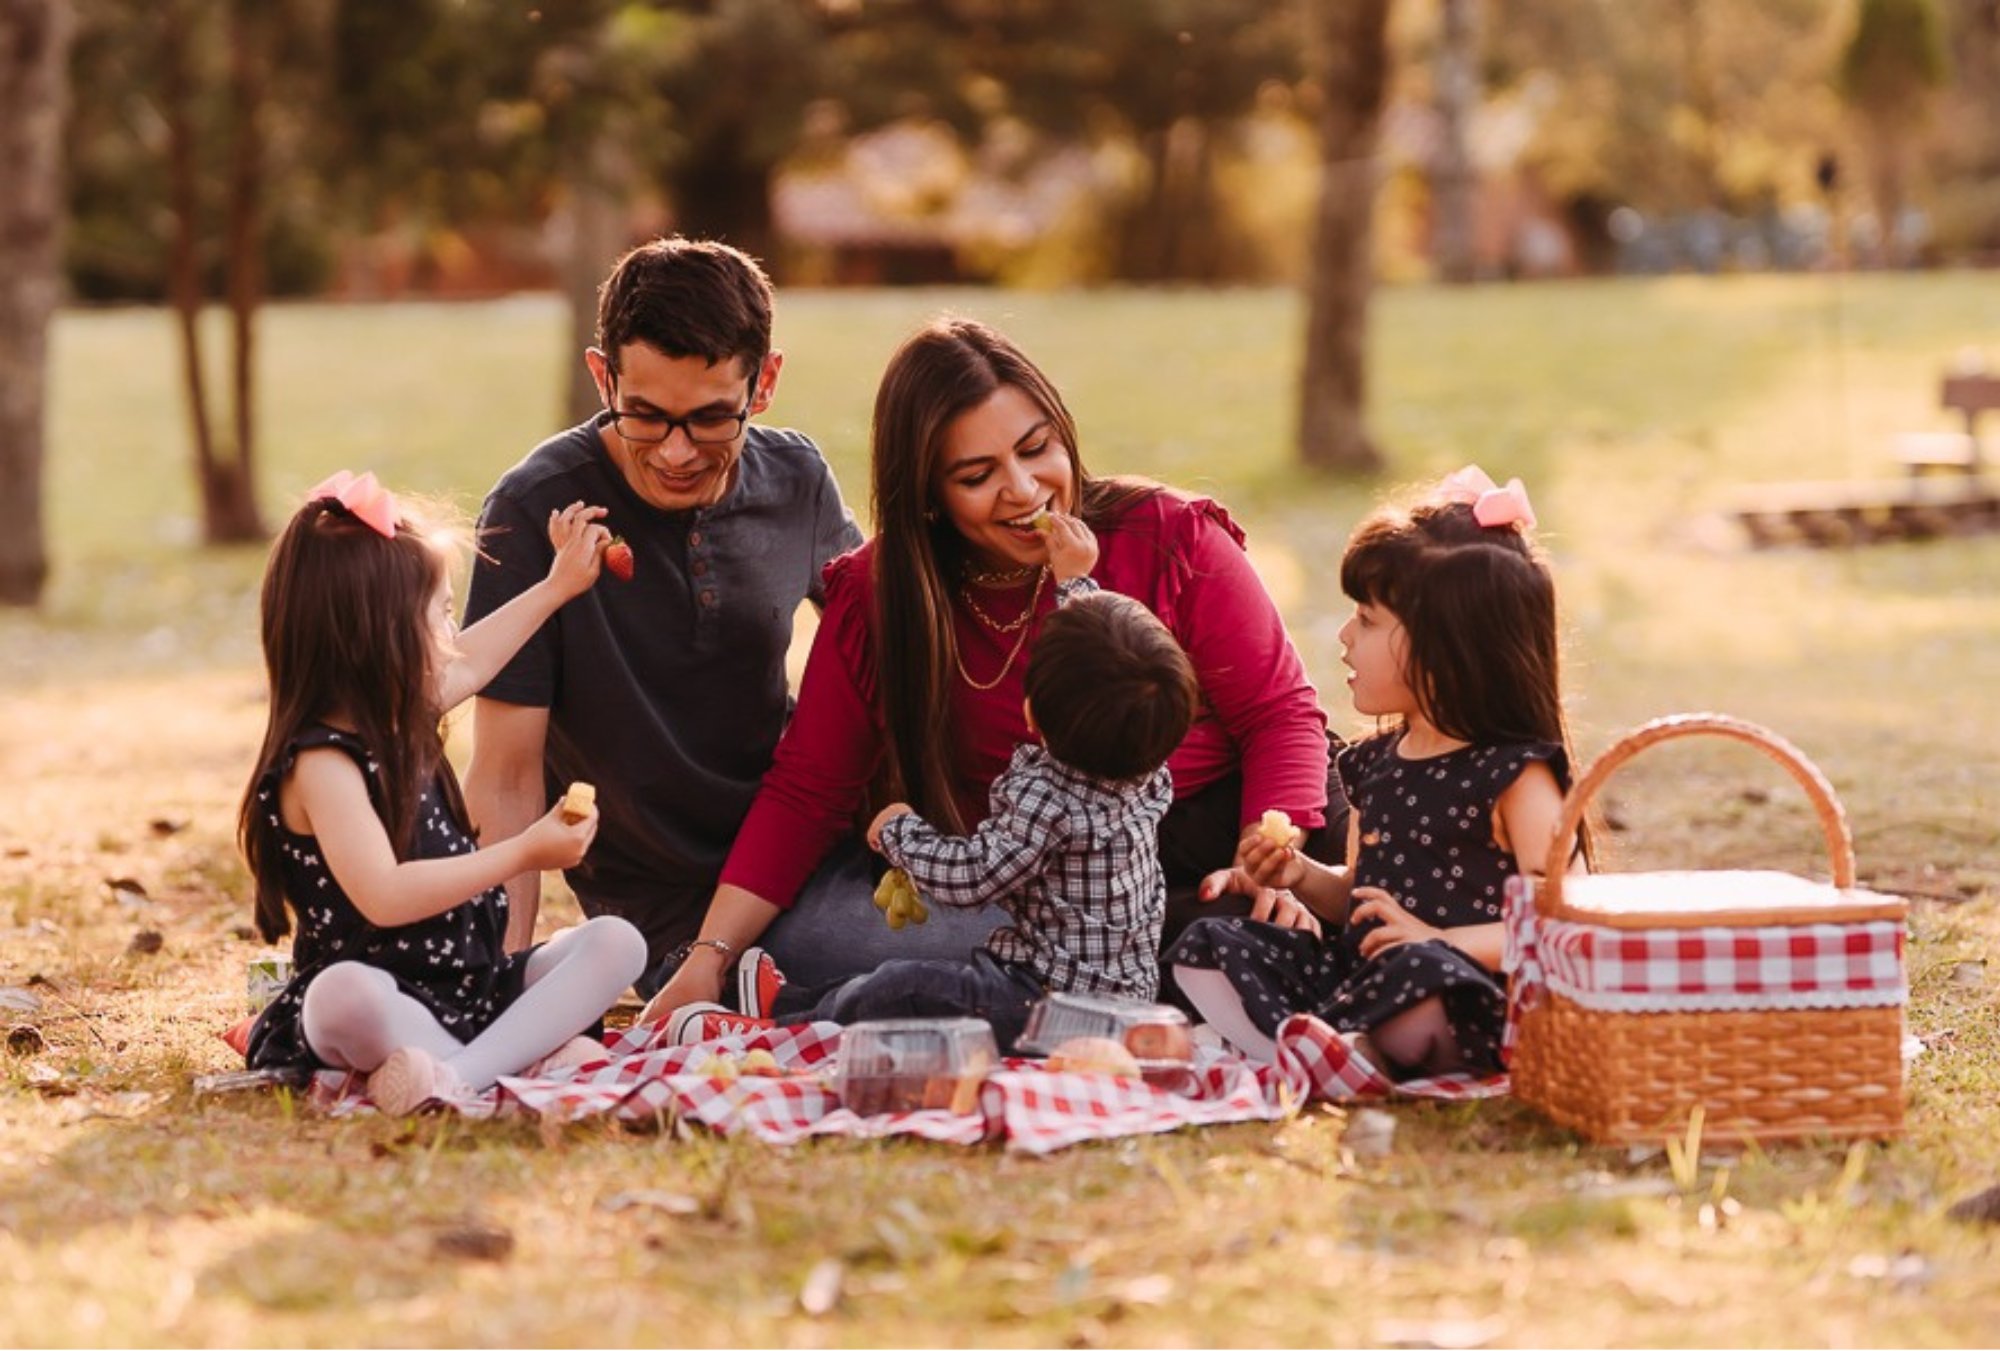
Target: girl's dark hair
1478	610
944	370
1111	691
346	630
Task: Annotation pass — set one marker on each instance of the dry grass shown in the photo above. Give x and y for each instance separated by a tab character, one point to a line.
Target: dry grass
132	1213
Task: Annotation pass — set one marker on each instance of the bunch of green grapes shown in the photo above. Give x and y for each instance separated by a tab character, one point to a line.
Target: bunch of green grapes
896	897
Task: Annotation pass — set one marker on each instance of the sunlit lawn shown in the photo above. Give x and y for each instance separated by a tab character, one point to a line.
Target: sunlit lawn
130	1213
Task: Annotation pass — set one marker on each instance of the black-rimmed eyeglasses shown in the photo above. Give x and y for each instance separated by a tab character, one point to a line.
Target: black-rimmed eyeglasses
704	429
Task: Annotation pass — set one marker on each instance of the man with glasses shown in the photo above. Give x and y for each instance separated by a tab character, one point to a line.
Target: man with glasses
667	691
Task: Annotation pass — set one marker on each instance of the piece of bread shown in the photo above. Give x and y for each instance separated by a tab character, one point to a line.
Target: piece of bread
579	802
1095	1055
1277	828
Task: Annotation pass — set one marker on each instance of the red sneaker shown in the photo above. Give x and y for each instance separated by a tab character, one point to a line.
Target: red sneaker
698	1022
758	981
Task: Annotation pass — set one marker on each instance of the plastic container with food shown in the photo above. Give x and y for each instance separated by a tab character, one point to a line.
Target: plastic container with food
1071	1030
914	1064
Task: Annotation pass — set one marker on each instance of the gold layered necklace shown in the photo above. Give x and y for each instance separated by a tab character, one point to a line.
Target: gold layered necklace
1019	624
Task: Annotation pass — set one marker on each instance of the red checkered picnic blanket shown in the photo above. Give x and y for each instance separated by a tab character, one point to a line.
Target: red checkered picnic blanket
1777	966
1028	1106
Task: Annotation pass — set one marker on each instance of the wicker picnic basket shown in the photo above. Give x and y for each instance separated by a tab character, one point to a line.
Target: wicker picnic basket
1773	1003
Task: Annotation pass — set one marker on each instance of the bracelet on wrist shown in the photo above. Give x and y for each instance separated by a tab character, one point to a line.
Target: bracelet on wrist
721	945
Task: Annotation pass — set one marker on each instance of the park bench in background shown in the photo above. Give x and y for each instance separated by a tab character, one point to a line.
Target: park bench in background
1946	489
1969	394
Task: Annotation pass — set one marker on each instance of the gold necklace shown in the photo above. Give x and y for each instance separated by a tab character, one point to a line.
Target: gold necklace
1010	577
965	594
1014	652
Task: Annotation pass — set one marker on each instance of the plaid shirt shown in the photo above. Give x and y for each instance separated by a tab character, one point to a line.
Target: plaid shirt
1075	861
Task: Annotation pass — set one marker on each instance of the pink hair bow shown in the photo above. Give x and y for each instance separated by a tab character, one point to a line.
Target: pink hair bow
364	498
1491	504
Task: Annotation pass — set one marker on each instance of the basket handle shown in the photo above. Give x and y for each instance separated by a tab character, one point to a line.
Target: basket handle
1832	820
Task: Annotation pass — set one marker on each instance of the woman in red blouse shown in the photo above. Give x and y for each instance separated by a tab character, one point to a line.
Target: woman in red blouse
913	689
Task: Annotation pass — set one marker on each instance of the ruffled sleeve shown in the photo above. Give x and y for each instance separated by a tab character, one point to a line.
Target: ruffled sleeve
1186	559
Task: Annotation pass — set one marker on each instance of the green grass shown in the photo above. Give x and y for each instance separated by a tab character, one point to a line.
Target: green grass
131	1213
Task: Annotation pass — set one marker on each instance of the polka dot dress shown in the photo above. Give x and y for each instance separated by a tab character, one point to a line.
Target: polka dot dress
455	964
1426	839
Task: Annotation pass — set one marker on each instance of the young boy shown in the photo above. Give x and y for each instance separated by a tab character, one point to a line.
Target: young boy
1070	849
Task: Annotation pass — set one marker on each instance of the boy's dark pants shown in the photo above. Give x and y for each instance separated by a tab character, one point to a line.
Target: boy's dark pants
982	986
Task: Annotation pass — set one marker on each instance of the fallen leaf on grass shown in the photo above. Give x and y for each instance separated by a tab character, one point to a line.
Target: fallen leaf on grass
822	1288
1969	974
1445	1334
1370	1133
49	1081
1154	1289
163	826
673	1203
145	943
1983	1208
129	890
26	1040
1908	1271
19	1000
475	1241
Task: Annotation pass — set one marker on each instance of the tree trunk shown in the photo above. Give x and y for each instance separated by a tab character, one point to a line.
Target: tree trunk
587	236
34	65
1352	39
724	192
184	287
230	494
1453	180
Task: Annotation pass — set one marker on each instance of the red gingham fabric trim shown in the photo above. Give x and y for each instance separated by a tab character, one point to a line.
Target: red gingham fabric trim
1032	1109
1779	966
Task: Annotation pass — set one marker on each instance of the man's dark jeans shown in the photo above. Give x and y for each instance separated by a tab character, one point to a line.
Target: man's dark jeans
980	986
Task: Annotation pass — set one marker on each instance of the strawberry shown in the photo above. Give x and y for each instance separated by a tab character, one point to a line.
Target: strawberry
618	558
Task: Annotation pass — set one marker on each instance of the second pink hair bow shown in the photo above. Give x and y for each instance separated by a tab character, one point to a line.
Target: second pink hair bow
364	498
1491	504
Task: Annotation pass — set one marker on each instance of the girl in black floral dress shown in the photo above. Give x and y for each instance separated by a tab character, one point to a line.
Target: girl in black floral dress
354	820
1453	643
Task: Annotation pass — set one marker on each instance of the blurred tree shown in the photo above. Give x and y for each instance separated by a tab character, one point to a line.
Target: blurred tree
1891	65
739	86
225	466
1175	77
34	62
1454	180
1351	41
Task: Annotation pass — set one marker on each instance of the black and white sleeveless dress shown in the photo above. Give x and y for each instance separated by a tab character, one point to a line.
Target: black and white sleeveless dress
455	963
1426	839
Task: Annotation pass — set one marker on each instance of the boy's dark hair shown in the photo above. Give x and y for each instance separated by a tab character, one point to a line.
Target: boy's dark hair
1109	688
687	298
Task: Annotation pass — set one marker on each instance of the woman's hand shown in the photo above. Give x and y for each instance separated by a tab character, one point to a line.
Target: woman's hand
1272	905
557	842
1398	926
697	980
1072	547
579	543
883	818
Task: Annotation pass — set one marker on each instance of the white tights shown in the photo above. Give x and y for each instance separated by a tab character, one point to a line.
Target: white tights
1417	1041
354	1016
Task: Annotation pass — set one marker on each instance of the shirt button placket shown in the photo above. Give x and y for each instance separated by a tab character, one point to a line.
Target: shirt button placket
705	595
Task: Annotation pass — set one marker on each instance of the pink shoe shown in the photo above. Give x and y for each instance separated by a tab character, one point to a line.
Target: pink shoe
758	981
699	1022
572	1054
408	1079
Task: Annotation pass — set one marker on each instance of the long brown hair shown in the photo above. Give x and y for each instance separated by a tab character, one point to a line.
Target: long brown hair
941	372
1478	610
346	629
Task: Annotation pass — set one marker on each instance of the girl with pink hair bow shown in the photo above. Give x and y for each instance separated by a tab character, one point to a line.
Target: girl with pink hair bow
355	830
1452	647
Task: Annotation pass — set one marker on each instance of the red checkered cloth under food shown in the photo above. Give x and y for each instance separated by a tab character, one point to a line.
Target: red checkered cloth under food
1028	1106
